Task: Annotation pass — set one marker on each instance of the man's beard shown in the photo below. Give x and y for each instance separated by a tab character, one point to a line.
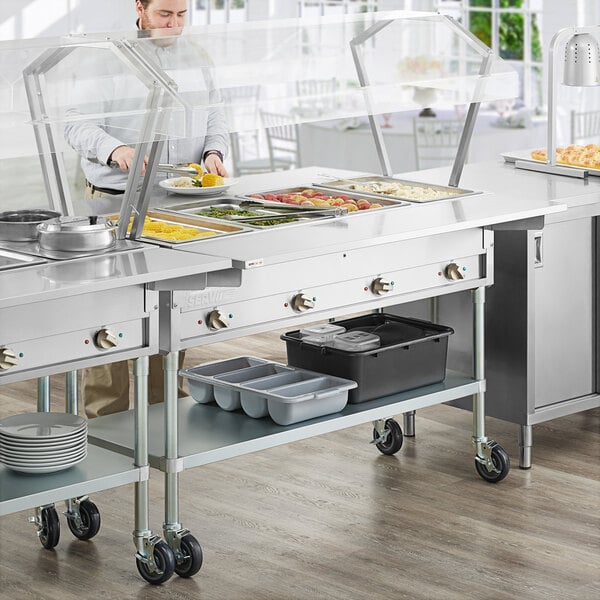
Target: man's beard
158	35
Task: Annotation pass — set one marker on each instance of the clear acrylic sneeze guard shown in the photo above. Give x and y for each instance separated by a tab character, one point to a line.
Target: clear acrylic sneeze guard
144	90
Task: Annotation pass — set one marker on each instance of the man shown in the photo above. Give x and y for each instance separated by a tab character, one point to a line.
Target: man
106	387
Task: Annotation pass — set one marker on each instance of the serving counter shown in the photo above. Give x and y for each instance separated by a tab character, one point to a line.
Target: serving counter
59	314
320	270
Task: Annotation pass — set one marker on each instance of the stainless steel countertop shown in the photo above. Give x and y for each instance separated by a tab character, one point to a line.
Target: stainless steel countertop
373	227
506	182
107	271
507	195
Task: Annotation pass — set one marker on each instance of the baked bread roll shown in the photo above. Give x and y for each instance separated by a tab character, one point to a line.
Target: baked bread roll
575	156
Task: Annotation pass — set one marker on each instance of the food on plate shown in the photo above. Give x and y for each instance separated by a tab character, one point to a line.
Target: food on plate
211	180
311	197
171	231
184	182
198	168
575	156
204	180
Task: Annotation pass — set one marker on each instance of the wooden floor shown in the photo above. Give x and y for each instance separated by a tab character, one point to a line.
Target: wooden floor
331	518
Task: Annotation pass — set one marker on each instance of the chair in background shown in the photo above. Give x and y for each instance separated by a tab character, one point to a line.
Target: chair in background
283	141
316	95
246	146
436	141
585	127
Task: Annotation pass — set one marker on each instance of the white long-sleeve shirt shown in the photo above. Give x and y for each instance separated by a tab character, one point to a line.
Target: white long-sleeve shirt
109	88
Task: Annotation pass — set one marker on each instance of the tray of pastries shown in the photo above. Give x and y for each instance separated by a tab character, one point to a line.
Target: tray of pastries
586	157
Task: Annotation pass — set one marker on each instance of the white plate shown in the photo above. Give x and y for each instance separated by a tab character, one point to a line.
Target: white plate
214	190
43	444
44	462
41	425
43	469
29	454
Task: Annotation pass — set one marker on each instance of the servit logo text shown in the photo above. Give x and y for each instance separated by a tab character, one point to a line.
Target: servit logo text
206	298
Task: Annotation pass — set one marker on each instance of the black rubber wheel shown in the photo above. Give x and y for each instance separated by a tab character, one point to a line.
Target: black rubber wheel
394	439
501	464
191	559
90	521
165	565
50	533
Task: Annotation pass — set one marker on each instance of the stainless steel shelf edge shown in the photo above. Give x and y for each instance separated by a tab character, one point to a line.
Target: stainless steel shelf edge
209	434
564	408
101	470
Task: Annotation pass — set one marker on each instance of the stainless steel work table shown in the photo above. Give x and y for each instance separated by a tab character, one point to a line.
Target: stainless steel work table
332	263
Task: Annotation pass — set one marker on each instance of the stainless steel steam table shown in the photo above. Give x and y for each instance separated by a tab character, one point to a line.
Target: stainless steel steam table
312	271
53	316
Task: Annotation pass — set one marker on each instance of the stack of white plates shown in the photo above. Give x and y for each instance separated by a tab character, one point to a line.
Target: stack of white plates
42	442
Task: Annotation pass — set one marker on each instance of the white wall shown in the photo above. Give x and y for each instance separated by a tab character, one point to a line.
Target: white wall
48	18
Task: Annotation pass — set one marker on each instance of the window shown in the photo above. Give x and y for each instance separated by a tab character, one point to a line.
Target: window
226	11
218	11
512	29
328	7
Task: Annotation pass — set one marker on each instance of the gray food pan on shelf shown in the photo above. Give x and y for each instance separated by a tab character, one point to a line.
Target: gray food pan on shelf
295	397
252	394
227	387
201	378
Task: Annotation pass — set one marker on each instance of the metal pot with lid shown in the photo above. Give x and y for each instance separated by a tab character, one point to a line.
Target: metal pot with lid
21	225
77	234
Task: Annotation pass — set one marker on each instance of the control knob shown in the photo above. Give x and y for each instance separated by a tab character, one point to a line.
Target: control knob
453	272
8	358
302	303
381	286
105	339
217	320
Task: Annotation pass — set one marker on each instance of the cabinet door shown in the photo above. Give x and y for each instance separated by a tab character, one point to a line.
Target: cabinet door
563	314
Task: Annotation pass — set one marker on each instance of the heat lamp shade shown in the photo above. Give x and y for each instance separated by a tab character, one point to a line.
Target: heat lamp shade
582	61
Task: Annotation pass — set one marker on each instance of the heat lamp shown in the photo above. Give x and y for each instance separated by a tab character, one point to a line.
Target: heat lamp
581	68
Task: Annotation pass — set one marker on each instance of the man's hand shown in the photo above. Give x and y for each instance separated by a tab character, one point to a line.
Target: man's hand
123	156
213	164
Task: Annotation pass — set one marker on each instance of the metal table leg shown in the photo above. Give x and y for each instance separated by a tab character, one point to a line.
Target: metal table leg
71	392
491	461
525	445
155	560
43	398
185	547
409	423
45	518
172	465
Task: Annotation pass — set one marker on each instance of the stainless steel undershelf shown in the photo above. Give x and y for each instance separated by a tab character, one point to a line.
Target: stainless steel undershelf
209	434
101	470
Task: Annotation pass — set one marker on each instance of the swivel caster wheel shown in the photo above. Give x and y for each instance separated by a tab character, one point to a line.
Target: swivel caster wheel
49	533
164	564
391	440
501	464
189	558
87	524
